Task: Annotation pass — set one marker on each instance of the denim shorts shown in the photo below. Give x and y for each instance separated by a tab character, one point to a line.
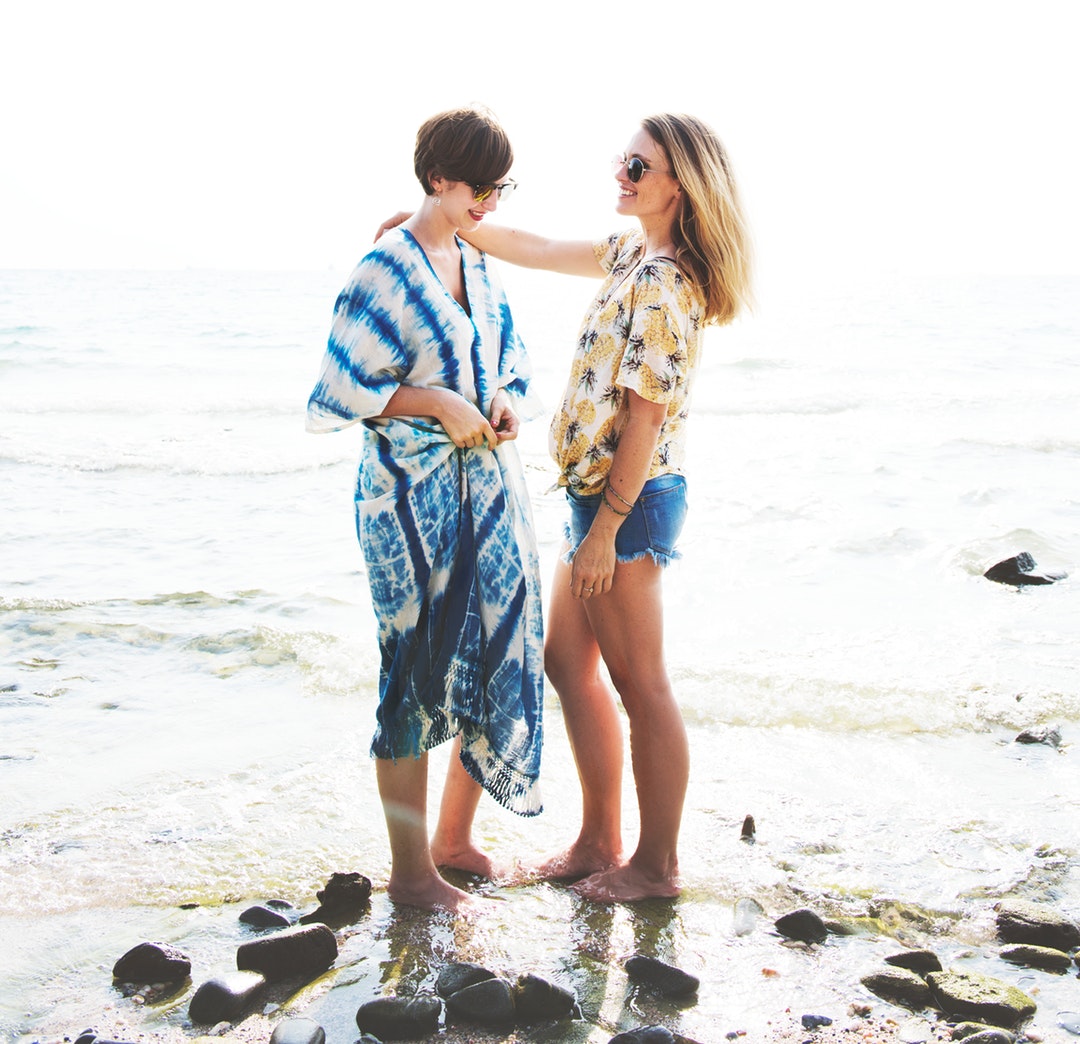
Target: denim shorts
652	528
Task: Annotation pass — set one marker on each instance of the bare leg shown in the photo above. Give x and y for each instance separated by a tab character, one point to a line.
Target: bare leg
594	727
628	624
413	877
451	844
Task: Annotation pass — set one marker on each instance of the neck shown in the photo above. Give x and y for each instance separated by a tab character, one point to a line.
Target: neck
431	229
659	240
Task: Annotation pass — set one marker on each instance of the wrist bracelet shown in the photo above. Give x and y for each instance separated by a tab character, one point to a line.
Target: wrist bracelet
607	504
621	499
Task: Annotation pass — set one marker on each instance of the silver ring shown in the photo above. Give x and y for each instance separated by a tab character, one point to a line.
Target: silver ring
588	590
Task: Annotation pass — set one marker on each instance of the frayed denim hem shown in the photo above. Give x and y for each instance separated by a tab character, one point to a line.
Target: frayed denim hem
661	558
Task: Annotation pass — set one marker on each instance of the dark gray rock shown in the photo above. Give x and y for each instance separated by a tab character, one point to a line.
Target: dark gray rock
264	917
644	1035
303	951
665	979
88	1036
487	1003
152	962
298	1031
1045	957
969	1029
803	925
898	986
1050	735
1018	572
969	995
812	1022
1020	921
537	1000
457	976
399	1018
749	831
918	961
224	998
990	1036
344	900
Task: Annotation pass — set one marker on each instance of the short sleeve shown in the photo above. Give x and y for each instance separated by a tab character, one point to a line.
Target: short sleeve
656	359
365	359
617	250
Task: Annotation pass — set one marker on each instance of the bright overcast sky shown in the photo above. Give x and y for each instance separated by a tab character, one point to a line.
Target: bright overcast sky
867	136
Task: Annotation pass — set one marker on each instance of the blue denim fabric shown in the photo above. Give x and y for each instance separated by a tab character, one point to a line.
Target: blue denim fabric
652	528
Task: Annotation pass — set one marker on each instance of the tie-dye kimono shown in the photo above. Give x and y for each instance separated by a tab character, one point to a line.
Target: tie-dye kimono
447	533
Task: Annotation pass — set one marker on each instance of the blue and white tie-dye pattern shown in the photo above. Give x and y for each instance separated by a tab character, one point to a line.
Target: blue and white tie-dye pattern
447	533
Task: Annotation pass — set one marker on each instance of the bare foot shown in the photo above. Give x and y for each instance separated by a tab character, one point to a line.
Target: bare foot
578	861
429	893
626	884
469	859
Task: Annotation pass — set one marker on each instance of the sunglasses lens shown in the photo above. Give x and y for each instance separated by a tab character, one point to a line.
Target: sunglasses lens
635	169
481	192
506	190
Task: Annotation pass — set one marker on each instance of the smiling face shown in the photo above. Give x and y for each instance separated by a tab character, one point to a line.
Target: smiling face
656	196
458	203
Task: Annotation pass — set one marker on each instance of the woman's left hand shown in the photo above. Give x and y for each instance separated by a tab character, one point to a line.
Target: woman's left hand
592	569
503	418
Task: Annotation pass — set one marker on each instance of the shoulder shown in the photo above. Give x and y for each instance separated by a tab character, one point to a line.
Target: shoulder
619	250
384	269
394	249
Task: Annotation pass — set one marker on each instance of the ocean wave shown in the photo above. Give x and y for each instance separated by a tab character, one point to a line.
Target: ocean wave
776	408
828	705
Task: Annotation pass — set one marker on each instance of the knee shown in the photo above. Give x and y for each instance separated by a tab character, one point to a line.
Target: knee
641	690
559	667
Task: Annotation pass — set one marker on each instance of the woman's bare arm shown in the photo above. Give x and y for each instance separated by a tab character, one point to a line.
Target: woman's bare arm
568	256
463	422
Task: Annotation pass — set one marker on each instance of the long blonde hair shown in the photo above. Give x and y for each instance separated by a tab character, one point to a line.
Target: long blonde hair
712	241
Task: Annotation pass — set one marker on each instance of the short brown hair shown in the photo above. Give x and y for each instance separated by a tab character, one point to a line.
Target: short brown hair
463	145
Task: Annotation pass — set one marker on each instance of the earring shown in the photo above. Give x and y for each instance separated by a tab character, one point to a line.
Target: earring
438	200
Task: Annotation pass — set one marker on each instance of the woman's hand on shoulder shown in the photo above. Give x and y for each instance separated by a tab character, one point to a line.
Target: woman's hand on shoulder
393	222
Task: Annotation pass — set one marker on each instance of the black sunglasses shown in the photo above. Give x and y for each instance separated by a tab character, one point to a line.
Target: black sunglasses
635	168
505	190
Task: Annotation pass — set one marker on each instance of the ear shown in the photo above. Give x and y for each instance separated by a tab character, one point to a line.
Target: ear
437	181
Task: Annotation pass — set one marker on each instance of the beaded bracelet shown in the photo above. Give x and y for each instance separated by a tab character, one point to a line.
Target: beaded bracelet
608	485
615	511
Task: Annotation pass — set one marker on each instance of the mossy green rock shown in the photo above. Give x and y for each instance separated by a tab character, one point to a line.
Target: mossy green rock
970	995
898	986
1045	957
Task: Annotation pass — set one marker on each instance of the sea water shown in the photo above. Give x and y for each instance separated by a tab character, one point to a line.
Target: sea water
188	663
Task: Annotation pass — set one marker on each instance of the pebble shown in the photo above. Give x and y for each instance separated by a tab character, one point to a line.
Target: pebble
152	962
298	1031
225	996
487	1003
666	979
803	926
303	951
